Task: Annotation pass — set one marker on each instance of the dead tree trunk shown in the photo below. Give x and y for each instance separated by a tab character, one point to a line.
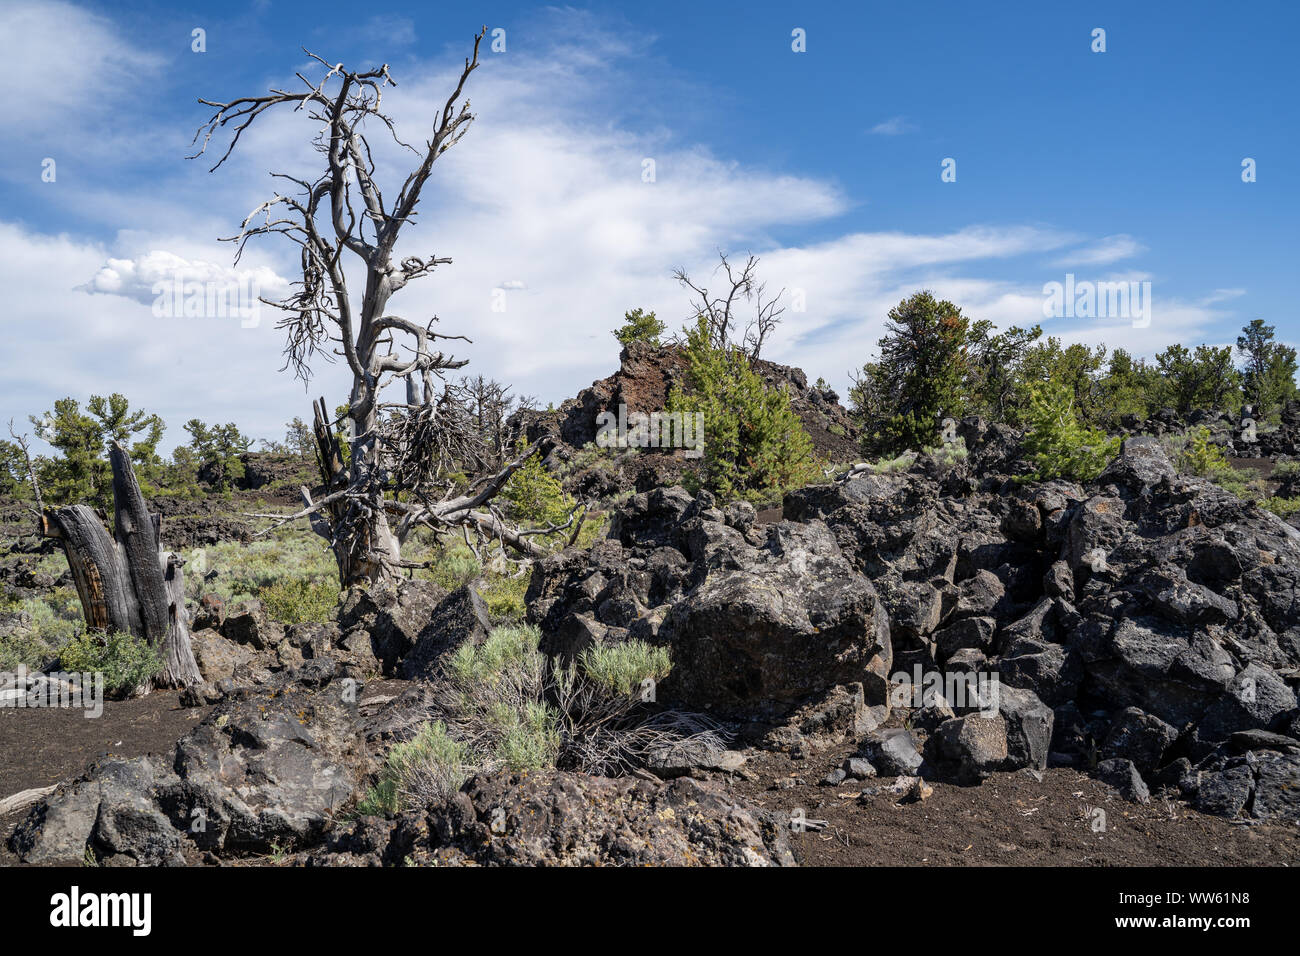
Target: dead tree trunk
126	582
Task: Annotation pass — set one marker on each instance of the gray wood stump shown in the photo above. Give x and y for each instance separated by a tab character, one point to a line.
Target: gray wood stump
127	582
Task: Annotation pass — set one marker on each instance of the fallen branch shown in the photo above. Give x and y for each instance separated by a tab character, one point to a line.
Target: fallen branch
24	799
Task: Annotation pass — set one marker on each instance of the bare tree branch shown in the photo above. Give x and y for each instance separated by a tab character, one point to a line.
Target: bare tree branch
719	311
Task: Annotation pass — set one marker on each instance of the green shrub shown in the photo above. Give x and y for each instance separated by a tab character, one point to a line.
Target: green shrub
454	566
22	647
299	601
639	326
500	705
755	445
495	697
891	466
1285	470
949	455
1282	507
504	597
126	661
1197	454
44	626
528	737
505	648
1200	456
245	569
1058	445
1244	484
428	767
621	668
535	496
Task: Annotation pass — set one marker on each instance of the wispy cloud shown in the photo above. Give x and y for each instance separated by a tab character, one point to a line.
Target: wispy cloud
74	61
389	29
1222	295
1102	252
895	126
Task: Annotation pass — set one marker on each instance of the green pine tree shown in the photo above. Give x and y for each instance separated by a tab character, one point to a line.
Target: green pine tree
755	445
639	326
922	373
1058	445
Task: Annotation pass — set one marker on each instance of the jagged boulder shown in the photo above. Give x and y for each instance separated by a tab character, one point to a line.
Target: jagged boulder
758	618
565	819
460	618
218	657
267	767
392	618
772	625
972	746
1124	777
250	624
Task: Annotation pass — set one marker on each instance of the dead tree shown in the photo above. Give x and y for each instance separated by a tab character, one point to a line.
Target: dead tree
344	211
490	404
720	312
23	446
126	582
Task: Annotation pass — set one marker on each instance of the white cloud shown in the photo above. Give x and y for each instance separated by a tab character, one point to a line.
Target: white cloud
65	342
1102	252
895	126
140	278
1222	295
72	61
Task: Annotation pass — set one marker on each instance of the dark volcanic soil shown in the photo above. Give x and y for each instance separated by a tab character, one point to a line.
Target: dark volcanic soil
1012	819
39	747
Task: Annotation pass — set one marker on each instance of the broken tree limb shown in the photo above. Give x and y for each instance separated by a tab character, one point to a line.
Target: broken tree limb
319	525
24	799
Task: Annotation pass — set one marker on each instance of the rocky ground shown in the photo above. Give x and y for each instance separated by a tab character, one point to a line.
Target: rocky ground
942	665
1238	435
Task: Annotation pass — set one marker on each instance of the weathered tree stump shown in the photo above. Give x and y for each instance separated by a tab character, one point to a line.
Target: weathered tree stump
127	582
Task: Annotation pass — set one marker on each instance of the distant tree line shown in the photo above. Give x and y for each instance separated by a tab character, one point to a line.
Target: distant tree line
936	363
78	471
212	458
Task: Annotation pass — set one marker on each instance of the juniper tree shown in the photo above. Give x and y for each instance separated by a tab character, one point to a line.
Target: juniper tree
1204	378
84	439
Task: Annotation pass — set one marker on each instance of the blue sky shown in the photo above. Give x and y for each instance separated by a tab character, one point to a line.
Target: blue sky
826	163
